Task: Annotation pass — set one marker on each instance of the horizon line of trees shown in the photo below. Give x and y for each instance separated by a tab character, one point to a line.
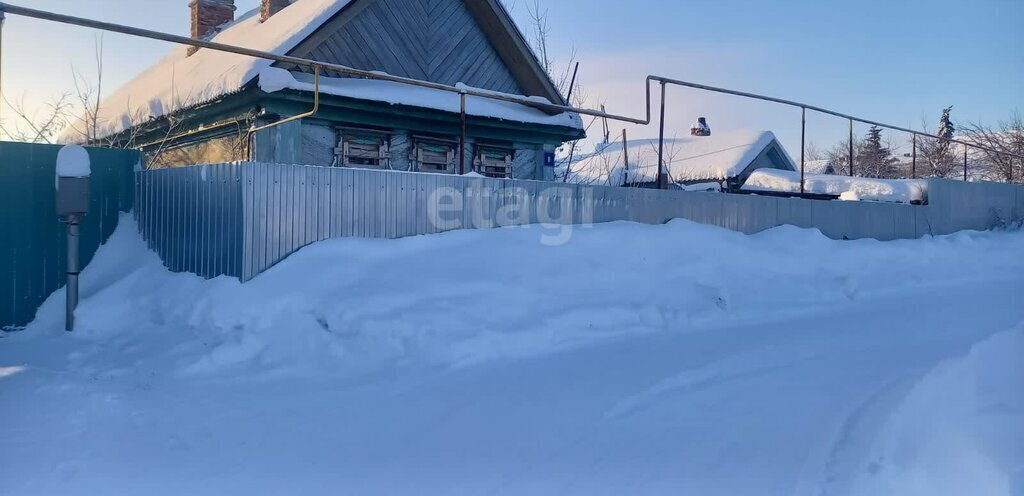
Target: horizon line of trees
876	156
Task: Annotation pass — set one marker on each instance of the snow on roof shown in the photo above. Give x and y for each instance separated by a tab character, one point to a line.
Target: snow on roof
274	79
180	81
859	188
721	156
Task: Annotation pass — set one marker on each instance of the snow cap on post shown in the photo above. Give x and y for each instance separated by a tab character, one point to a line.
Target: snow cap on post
73	161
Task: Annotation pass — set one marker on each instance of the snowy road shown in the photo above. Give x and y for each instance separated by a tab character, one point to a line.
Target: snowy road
897	369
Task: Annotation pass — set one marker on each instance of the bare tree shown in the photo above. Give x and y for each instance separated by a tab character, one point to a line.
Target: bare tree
88	93
41	126
814	153
1006	136
839	156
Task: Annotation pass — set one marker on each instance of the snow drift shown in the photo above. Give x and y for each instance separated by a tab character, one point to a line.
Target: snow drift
675	359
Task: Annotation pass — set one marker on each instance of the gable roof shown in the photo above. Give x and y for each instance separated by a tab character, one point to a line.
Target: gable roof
718	157
179	81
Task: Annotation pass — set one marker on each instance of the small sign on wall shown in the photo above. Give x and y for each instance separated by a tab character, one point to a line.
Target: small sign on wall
549	159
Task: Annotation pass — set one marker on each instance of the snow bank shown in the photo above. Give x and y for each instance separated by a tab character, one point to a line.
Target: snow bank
509	309
674	359
273	79
961	429
720	156
845	187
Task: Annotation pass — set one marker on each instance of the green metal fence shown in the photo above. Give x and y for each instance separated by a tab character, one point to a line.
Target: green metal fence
32	238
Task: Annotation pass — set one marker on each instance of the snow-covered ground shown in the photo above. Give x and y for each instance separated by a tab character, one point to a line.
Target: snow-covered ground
675	359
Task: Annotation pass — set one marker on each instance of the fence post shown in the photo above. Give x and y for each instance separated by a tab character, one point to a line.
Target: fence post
662	179
803	138
462	136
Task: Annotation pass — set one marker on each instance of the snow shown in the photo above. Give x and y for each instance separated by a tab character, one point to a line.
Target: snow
717	157
73	161
671	359
846	187
274	79
181	81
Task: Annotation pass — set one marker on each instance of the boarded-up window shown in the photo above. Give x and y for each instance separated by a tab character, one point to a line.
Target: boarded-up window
494	162
363	150
434	156
212	151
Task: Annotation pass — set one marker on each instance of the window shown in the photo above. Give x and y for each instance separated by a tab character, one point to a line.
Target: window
494	162
434	156
363	150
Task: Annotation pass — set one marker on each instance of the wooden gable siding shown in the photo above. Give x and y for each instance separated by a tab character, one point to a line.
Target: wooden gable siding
433	40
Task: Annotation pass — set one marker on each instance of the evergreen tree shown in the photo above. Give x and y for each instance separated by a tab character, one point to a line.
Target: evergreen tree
938	154
875	159
946	128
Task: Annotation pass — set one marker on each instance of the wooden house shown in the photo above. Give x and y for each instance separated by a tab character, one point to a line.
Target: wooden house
198	106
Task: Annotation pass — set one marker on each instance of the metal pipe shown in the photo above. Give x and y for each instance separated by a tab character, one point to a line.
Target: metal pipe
625	158
316	106
572	84
851	147
462	137
819	109
965	164
803	137
662	180
285	59
913	160
71	290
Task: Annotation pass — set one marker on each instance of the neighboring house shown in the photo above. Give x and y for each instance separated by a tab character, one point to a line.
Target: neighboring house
722	161
824	166
197	106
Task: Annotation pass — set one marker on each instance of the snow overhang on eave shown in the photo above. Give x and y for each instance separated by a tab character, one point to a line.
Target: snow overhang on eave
335	108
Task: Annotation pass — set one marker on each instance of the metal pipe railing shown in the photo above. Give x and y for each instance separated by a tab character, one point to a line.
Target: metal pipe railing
311	113
463	91
287	59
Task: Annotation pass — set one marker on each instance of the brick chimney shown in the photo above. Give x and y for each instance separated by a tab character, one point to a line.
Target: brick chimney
271	7
208	15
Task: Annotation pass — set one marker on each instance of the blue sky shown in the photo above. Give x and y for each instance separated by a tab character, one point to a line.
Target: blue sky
897	61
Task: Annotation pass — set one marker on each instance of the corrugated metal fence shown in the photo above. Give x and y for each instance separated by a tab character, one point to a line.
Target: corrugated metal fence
240	219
